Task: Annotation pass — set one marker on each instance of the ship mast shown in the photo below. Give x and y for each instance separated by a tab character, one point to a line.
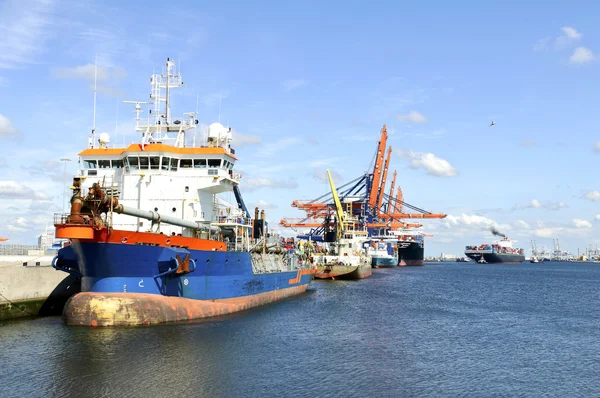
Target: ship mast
161	129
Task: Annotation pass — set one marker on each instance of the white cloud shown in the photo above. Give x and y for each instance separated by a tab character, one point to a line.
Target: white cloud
321	175
15	190
261	204
273	147
597	146
521	224
24	30
86	72
536	204
597	217
579	223
239	139
581	55
569	36
435	166
292	84
592	195
412	117
468	220
547	232
251	184
18	225
7	130
571	33
104	75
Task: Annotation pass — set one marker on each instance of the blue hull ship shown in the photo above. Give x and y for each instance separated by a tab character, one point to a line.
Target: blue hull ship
151	237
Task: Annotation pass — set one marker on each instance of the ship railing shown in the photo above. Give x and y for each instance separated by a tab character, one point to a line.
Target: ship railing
68	219
232	220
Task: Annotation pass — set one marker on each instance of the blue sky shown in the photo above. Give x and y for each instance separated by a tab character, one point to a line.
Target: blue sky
308	85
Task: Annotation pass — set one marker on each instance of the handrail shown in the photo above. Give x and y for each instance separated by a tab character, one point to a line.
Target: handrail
169	271
67	270
173	270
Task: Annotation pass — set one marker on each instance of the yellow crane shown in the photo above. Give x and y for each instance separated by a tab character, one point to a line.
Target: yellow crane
338	207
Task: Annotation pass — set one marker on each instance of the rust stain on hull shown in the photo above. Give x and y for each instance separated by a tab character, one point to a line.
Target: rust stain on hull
334	271
299	275
343	272
131	309
358	273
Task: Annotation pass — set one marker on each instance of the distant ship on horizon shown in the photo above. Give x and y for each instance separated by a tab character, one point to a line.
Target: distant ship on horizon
501	251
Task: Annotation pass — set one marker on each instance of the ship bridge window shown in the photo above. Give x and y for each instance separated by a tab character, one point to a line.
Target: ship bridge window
117	164
134	163
154	162
144	162
214	162
165	163
90	164
200	163
185	163
174	164
104	164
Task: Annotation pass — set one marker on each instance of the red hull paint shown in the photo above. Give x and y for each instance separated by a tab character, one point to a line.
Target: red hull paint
131	309
88	233
411	262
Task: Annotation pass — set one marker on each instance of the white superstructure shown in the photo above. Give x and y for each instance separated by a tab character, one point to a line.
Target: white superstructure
164	173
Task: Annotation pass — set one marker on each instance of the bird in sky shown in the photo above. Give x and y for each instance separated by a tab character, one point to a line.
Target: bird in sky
493	122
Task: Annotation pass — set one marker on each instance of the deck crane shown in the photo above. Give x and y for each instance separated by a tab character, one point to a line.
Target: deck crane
338	208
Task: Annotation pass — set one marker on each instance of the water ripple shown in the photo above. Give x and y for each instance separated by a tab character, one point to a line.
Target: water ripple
440	330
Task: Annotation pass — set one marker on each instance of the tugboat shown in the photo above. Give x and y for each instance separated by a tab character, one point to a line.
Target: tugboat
345	256
501	251
344	259
152	239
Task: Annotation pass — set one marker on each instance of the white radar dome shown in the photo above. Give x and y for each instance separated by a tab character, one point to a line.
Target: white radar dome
216	130
104	138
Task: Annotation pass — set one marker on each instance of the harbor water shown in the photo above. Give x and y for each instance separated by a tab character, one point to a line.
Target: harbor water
445	329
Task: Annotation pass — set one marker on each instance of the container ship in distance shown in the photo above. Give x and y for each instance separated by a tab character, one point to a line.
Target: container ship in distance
501	251
411	249
152	240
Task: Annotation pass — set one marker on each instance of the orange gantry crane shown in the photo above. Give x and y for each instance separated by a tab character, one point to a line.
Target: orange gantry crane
365	198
